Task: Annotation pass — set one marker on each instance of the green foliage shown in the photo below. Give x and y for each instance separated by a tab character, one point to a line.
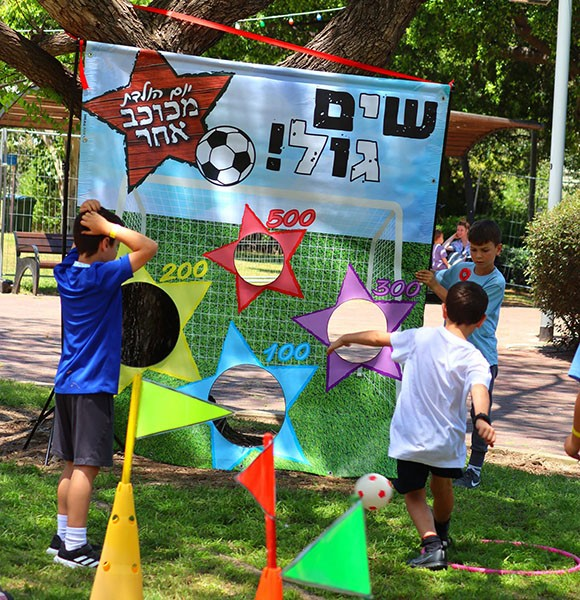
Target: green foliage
513	262
472	43
553	241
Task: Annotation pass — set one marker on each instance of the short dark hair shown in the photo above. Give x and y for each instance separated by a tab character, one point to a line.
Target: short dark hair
89	244
485	231
437	233
463	223
466	303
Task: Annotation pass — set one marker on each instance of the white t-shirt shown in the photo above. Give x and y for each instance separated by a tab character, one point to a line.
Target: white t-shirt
429	422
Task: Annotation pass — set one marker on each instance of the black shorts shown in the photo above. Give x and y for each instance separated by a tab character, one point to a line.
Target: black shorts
413	476
84	429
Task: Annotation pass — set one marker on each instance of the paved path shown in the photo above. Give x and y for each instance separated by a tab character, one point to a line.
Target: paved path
533	397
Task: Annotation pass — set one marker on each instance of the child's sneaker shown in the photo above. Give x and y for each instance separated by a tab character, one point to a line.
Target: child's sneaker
434	560
470	479
86	556
54	545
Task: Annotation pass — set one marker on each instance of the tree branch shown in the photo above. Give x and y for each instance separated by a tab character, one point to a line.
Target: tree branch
366	31
39	66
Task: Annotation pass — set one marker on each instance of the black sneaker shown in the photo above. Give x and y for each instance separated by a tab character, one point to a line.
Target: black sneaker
434	560
54	545
470	479
86	556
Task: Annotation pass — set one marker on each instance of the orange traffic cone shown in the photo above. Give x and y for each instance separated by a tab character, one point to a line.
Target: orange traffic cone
270	587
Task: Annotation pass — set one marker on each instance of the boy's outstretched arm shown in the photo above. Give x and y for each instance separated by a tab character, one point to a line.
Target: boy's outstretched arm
366	338
428	278
480	400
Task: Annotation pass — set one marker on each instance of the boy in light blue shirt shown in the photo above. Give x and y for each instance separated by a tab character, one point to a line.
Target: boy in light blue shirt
485	244
572	443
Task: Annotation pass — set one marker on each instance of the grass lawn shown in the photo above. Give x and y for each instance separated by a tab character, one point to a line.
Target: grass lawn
202	535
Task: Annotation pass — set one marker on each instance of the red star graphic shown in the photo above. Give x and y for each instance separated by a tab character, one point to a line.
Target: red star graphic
285	283
161	114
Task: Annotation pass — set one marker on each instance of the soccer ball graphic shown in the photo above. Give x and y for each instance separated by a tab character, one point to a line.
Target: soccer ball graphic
225	155
374	490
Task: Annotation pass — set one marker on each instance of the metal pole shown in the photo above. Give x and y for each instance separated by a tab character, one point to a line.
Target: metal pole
533	171
558	145
3	199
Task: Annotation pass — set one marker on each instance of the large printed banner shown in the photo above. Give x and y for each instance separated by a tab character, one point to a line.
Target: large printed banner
290	206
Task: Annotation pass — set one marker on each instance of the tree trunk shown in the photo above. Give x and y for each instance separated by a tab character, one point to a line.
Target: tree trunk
366	31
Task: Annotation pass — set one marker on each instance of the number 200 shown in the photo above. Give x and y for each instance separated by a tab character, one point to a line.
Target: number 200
184	271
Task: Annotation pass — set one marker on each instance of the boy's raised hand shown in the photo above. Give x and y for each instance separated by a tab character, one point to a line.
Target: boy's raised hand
90	205
426	277
95	223
486	432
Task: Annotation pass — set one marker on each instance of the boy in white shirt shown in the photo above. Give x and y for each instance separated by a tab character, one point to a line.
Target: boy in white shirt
429	424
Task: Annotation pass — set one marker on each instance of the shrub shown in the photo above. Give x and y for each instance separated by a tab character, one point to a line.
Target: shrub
553	241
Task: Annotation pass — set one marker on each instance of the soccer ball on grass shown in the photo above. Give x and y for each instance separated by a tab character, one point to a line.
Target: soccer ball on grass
374	490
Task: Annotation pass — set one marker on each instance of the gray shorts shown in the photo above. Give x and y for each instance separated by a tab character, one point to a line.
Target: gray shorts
84	429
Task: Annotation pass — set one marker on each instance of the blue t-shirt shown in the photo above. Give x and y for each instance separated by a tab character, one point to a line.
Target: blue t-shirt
575	366
483	338
92	321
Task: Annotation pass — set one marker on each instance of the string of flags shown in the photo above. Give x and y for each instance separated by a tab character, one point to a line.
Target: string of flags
291	17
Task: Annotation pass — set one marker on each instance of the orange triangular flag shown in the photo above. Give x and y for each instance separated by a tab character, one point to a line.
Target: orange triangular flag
259	479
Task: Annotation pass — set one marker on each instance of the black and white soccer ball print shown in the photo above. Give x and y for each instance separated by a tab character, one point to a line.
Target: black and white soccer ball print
225	155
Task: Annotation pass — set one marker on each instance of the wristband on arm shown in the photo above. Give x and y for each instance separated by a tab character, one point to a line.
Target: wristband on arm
483	417
575	433
114	230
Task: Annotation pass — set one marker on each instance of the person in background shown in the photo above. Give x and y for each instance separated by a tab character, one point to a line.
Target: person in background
572	443
457	245
485	242
438	254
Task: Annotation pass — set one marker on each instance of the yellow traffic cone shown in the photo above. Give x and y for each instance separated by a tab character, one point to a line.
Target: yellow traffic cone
119	572
270	586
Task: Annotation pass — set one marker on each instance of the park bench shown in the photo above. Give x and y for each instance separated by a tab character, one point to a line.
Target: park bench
39	244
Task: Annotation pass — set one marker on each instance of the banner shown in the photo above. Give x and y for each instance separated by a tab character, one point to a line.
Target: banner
276	195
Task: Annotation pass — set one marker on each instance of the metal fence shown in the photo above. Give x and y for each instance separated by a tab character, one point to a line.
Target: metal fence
31	187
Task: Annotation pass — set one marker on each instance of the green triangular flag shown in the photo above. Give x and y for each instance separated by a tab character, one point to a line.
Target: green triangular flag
162	409
337	560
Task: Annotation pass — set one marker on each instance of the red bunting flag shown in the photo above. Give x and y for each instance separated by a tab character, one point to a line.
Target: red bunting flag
258	478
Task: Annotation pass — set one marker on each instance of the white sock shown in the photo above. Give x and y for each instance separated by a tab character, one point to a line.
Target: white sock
76	537
61	523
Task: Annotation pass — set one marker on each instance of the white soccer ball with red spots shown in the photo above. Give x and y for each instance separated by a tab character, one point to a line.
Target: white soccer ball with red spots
374	490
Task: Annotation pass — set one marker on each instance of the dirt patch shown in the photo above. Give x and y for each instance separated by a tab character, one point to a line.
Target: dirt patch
16	424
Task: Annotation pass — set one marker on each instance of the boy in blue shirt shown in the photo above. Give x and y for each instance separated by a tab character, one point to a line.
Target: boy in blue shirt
485	246
89	283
